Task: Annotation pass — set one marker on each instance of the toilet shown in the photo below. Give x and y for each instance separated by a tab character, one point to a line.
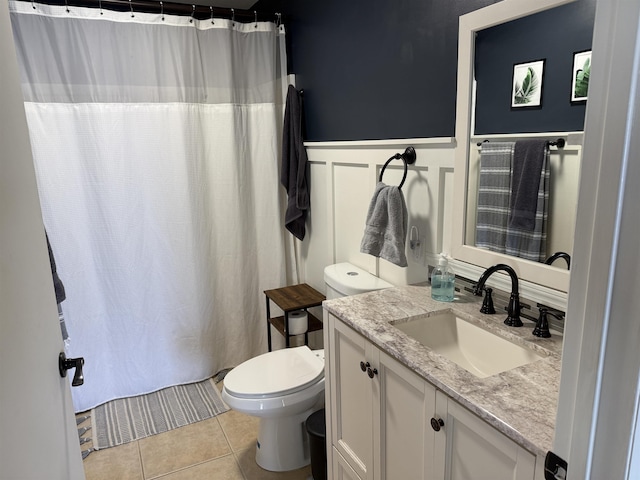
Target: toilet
284	387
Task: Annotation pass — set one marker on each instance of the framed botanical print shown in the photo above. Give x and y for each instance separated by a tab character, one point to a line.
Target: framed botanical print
580	79
527	84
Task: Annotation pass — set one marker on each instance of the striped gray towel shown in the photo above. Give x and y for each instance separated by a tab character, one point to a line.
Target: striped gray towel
494	193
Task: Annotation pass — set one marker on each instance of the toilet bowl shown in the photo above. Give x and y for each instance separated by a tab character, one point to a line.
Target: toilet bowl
284	387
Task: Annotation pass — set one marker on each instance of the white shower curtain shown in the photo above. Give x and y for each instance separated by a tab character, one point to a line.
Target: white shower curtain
156	142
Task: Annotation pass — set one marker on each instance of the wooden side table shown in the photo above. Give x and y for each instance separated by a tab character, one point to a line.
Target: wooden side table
294	297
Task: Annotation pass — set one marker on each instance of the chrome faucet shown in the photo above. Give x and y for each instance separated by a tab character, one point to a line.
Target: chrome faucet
513	309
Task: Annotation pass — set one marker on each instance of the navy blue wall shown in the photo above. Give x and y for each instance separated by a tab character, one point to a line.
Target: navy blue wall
547	35
375	69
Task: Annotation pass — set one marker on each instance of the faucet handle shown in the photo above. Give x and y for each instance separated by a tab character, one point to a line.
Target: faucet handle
542	325
487	303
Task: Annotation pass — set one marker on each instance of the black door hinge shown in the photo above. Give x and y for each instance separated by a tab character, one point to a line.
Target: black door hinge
555	468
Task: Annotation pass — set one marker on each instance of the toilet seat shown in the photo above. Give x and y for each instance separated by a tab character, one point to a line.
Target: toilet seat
275	374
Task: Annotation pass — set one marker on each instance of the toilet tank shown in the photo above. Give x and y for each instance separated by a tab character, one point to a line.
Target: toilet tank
344	279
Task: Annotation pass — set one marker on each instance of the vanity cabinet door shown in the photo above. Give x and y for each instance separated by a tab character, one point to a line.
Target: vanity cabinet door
471	449
380	416
341	469
351	399
406	405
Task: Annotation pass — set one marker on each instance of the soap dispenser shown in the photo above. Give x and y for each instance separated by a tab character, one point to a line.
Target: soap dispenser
443	281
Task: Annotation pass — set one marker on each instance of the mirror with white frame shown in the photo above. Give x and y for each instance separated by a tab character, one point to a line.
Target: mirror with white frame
476	126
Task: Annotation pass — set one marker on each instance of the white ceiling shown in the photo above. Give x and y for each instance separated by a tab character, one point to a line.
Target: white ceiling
239	4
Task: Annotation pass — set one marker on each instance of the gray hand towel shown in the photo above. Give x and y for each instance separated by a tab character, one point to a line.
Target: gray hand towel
528	157
386	228
532	244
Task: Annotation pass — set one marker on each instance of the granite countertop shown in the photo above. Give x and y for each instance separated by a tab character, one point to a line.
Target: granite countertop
521	403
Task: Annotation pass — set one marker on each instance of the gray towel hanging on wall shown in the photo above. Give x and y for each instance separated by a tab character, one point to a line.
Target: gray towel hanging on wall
293	175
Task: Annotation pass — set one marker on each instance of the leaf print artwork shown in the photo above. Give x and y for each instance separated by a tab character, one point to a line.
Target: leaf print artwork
527	84
581	73
525	92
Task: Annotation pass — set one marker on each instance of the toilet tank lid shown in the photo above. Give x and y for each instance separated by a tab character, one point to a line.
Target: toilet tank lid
351	280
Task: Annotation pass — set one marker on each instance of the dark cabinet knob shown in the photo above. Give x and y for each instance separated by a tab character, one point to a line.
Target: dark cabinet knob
65	364
437	424
366	367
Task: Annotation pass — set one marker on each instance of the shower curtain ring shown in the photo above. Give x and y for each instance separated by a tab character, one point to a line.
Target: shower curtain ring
211	8
255	15
33	5
131	7
100	6
233	17
66	6
162	11
193	12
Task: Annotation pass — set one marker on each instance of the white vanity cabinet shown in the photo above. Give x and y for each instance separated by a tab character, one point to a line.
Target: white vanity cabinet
380	415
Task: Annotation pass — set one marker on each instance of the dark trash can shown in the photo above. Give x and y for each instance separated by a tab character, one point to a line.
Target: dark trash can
316	428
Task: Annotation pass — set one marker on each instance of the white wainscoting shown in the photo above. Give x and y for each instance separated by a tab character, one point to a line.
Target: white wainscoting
343	176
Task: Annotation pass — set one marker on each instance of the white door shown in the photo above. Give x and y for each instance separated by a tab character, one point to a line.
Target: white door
38	433
598	403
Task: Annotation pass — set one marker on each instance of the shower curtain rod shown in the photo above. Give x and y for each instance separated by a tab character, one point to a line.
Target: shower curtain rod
200	12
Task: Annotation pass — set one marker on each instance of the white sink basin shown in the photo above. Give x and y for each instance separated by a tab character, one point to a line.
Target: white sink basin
476	350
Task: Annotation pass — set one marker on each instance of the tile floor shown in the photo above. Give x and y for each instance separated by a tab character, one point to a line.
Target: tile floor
220	448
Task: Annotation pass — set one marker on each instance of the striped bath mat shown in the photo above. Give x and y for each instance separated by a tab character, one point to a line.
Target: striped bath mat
128	419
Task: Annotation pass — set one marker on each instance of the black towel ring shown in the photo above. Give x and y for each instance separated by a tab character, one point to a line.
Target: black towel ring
408	157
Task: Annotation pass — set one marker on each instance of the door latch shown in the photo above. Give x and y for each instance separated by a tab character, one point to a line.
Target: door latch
65	364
